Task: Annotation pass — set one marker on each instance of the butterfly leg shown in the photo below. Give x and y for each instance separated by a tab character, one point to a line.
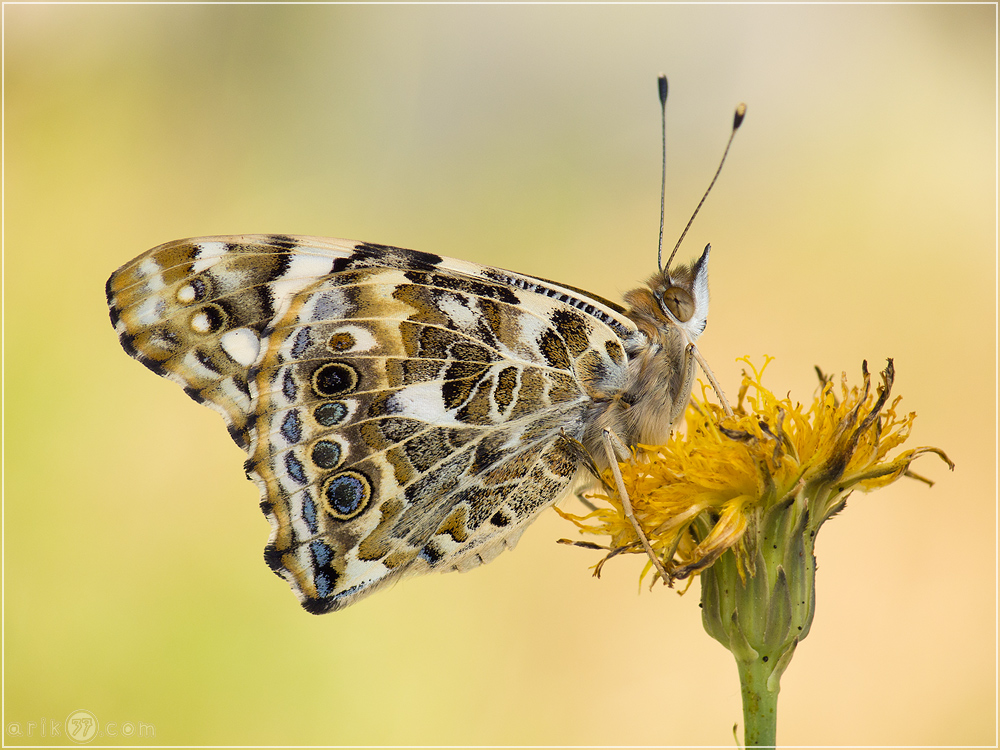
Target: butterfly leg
580	453
612	443
691	351
583	457
622	451
687	368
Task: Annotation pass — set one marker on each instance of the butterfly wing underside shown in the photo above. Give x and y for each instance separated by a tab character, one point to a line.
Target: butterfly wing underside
402	412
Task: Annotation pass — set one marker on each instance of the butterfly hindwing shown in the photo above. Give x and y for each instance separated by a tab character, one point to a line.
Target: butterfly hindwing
403	412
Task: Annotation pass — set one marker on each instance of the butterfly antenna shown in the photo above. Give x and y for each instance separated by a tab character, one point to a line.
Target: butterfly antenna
661	83
741	111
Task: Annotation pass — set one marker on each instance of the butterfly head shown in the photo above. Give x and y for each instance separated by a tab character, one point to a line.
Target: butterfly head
673	297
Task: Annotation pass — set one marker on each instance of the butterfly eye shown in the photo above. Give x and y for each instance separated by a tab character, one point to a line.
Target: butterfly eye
679	302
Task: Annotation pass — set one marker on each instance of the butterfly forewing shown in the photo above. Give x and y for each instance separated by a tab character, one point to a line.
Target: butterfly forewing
402	412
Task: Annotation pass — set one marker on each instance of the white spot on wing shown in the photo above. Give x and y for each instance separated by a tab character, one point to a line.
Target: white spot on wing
532	327
185	294
364	341
149	312
208	254
454	309
330	305
303	270
200	323
150	270
422	401
242	345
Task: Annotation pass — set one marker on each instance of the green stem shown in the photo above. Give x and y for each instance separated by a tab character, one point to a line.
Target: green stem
760	705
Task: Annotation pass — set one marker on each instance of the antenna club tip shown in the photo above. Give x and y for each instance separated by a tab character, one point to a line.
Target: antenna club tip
661	84
741	111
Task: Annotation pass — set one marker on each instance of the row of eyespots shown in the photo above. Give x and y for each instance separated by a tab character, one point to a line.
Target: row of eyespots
328	381
326	454
346	493
329	414
334	379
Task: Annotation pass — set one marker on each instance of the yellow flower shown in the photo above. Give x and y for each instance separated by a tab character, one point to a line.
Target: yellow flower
698	495
739	500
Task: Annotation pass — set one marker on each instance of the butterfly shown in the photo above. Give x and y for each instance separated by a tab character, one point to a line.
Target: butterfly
404	412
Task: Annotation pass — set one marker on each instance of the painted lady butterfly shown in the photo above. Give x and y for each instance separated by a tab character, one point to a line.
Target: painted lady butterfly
404	412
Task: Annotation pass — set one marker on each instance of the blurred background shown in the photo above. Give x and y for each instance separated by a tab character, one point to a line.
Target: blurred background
855	220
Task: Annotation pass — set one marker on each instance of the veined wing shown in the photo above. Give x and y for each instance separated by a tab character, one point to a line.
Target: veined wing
402	411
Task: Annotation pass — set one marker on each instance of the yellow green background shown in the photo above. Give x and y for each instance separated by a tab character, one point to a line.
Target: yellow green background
855	220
